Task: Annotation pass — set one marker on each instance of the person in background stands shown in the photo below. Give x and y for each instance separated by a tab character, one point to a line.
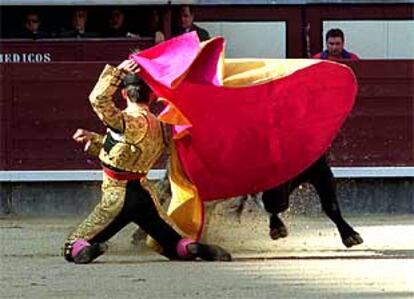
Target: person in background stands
78	26
152	27
31	27
116	24
335	41
186	23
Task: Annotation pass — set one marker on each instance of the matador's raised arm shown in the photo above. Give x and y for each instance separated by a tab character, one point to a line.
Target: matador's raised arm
101	98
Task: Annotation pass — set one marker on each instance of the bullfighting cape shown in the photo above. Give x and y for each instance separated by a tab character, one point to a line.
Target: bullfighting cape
241	125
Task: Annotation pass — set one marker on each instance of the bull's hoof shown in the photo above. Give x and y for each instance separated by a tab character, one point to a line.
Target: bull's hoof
209	252
278	232
352	240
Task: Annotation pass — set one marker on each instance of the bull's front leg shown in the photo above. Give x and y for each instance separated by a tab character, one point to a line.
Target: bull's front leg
276	201
324	184
277	228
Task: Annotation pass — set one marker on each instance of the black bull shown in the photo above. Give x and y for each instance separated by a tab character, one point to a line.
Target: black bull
276	200
319	174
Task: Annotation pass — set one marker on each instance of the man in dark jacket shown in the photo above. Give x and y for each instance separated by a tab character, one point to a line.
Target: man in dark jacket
186	23
78	27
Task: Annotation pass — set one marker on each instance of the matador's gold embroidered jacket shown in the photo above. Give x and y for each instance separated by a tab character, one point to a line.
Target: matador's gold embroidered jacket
134	139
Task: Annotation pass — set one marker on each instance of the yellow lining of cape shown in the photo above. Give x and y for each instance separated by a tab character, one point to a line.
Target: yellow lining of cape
186	206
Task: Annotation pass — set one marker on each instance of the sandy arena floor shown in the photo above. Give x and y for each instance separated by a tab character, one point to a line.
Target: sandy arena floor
310	263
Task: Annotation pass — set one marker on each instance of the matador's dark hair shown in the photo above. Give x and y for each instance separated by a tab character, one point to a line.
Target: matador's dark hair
137	90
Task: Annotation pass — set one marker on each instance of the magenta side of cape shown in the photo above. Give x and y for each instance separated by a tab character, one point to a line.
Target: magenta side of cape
161	65
167	61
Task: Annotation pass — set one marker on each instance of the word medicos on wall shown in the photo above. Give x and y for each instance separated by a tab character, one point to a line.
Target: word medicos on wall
25	57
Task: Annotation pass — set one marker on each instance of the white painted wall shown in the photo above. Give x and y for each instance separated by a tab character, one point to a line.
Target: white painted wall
250	39
376	39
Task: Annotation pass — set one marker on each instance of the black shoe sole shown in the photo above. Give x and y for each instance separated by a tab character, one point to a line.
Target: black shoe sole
209	252
90	253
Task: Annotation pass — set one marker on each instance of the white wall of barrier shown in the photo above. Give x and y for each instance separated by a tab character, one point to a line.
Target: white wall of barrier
250	39
376	39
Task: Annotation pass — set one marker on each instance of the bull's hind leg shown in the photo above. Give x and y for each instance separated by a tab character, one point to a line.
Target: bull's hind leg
275	201
323	181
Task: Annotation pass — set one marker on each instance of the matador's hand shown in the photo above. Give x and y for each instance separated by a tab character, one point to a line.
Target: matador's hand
82	136
128	65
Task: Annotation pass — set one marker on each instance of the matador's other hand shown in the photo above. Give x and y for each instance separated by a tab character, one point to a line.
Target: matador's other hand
82	136
128	65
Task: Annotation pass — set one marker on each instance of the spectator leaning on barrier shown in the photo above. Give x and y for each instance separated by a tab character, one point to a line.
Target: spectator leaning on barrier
186	23
152	27
335	41
31	27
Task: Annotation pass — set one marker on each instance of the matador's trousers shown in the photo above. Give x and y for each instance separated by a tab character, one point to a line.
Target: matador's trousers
123	202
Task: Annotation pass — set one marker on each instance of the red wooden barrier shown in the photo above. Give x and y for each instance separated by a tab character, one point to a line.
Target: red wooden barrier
380	130
41	105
